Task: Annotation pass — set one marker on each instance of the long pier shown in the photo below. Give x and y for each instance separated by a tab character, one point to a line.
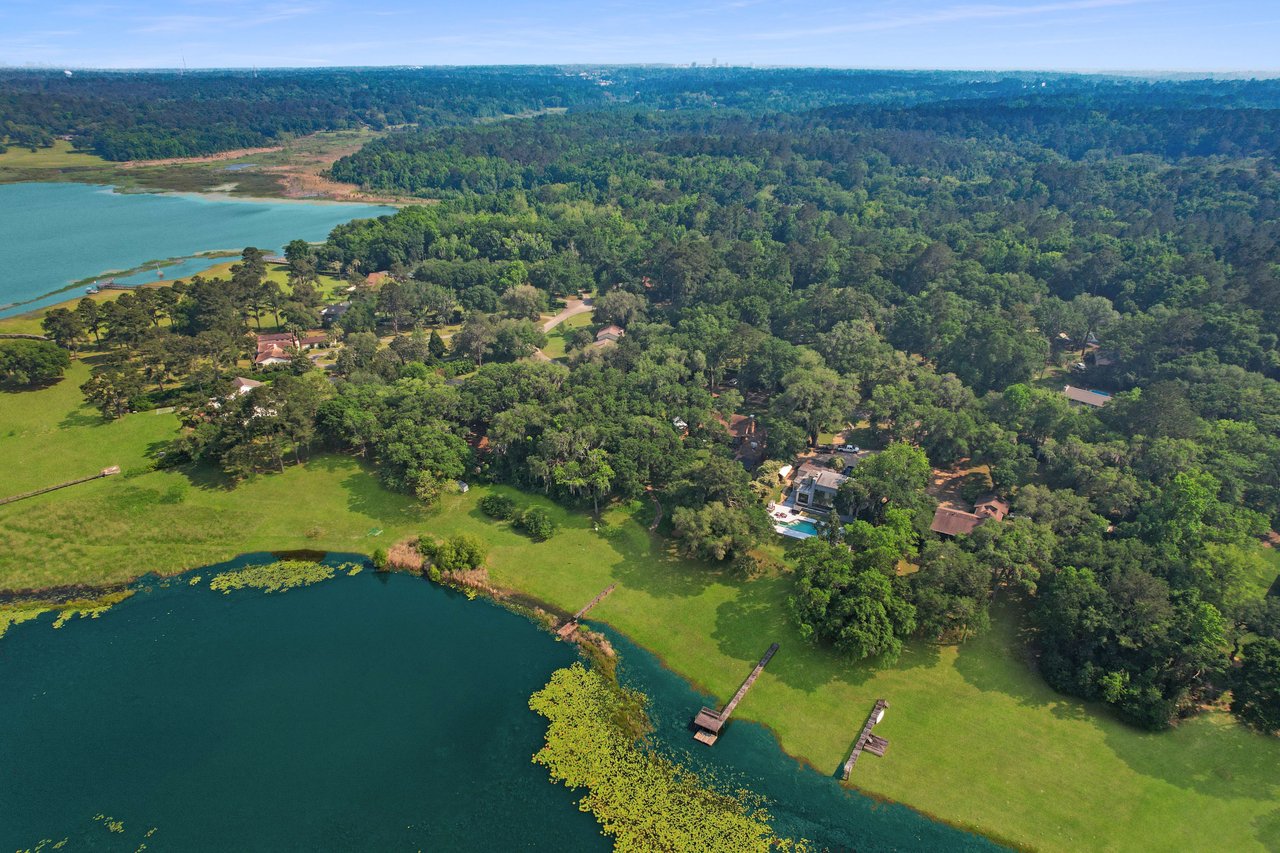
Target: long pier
572	625
873	744
105	472
709	722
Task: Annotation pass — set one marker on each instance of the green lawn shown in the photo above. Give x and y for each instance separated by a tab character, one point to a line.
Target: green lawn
110	530
1264	573
59	156
977	738
557	337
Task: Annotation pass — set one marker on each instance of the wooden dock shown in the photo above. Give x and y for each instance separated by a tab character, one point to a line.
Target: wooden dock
873	744
105	472
709	721
572	625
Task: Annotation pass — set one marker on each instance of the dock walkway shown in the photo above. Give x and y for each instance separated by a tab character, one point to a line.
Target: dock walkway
873	744
709	722
572	625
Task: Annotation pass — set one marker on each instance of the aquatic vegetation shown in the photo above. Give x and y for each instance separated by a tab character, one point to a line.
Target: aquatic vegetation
273	577
109	822
195	580
24	610
16	613
643	799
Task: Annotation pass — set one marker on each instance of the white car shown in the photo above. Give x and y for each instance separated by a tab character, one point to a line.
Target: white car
849	448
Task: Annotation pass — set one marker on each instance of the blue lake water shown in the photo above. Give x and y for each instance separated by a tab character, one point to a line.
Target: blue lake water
59	233
369	712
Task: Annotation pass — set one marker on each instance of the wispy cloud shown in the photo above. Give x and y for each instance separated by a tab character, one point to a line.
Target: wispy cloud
264	16
946	15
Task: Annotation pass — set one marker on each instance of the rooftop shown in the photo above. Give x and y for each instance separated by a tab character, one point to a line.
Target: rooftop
1087	396
954	522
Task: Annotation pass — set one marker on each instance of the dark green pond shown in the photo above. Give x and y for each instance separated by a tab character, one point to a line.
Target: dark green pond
364	713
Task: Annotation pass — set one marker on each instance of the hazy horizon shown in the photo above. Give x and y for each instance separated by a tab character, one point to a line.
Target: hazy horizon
1142	37
1155	73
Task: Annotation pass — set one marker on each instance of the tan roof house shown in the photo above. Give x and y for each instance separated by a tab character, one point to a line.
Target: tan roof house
949	521
1086	397
240	385
611	333
273	355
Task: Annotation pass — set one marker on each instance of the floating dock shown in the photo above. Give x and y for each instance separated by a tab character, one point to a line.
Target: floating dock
873	744
709	721
572	625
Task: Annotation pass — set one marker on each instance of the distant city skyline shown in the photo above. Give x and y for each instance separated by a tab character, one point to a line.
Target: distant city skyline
1067	35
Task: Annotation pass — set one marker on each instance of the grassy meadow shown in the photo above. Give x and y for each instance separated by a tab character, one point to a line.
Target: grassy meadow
110	530
977	738
59	156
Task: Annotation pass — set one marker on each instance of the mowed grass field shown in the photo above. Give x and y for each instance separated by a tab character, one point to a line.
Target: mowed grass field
59	156
110	530
977	738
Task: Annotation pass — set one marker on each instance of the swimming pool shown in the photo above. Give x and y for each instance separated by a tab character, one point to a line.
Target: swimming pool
797	528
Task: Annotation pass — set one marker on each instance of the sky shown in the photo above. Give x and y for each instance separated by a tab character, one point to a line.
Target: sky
1146	35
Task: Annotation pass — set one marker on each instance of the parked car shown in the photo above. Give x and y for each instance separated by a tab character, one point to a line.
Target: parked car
849	448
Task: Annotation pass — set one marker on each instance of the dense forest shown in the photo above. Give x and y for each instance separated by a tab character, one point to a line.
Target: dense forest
133	115
933	269
144	115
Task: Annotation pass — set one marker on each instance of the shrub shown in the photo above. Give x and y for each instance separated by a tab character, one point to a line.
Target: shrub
537	522
498	506
379	559
748	566
455	554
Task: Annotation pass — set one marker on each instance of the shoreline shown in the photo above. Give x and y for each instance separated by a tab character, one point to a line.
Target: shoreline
226	195
293	171
12	310
523	604
218	255
218	194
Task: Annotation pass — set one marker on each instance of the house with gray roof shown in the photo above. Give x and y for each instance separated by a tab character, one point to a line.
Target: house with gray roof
816	487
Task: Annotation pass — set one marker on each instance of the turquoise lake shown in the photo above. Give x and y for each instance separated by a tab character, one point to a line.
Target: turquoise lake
56	234
369	712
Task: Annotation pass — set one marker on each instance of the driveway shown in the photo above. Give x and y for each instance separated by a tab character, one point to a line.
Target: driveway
572	308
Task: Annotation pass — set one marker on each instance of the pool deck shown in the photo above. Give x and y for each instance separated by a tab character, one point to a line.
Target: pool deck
784	514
